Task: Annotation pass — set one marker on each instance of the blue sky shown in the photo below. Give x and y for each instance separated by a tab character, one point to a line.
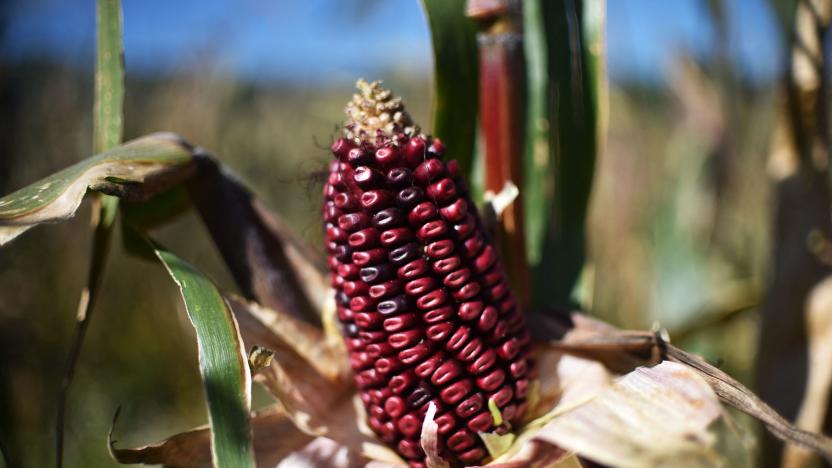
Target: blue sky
325	41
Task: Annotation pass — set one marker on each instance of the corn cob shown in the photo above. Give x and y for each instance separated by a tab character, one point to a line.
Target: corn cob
424	305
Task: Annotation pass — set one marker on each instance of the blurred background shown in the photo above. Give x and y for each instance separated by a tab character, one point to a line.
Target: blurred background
682	211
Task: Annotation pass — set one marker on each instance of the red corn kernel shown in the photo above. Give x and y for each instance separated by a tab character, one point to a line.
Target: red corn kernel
471	350
472	456
393	306
404	339
387	156
440	249
378	413
364	239
483	362
473	245
360	361
508	349
416	353
459	338
410	449
492	380
432	299
388	218
376	199
461	440
456	211
368	320
348	271
401	382
518	368
377	350
394	406
509	412
492	277
466	228
385	290
399	177
420	286
432	230
358	157
442	191
446	372
410	196
414	269
376	273
372	336
447	265
369	257
345	201
335	233
487	319
470	310
428	171
481	422
410	425
470	406
440	331
421	213
355	288
438	315
485	259
414	152
467	292
367	178
341	147
353	221
405	253
427	367
457	278
386	365
502	396
520	388
396	236
361	303
446	422
400	322
497	292
456	391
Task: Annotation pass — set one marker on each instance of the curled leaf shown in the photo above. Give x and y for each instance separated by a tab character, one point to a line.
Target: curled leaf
136	170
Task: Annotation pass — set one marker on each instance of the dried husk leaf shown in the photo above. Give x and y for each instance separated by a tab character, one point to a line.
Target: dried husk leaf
651	417
290	337
274	438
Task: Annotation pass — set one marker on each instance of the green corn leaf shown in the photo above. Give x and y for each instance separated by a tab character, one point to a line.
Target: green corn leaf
136	170
455	96
564	51
222	362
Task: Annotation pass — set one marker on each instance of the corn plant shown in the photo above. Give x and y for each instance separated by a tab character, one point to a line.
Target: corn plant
430	335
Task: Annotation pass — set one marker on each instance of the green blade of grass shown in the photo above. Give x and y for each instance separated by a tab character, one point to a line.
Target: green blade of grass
136	170
566	82
107	134
455	100
222	362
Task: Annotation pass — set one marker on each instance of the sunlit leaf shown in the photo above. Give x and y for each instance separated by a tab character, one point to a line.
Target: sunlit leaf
455	100
222	360
136	170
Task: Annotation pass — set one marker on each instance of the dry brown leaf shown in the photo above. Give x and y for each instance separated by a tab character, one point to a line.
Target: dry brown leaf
286	334
274	437
815	404
651	417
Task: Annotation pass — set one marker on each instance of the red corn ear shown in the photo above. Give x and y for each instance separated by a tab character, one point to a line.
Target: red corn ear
424	305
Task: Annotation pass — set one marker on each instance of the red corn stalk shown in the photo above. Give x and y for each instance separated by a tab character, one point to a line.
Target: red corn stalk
502	114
